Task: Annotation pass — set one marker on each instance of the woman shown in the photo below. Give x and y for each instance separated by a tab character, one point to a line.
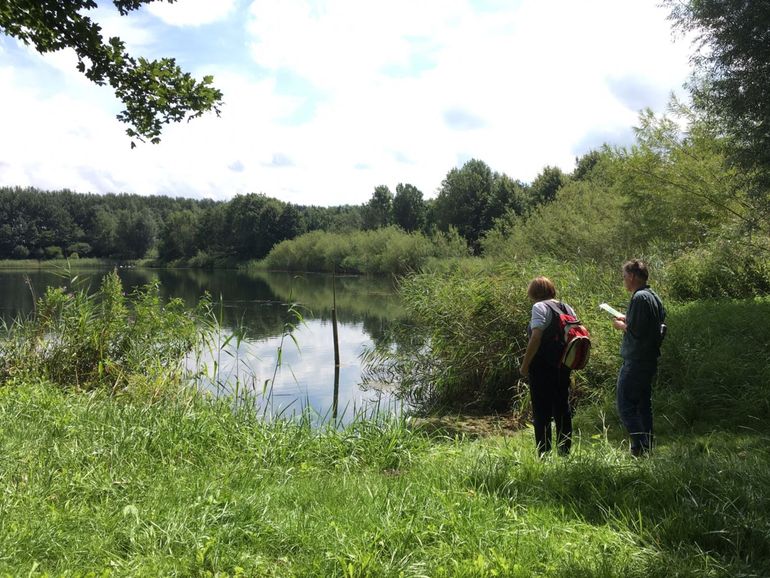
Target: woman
549	380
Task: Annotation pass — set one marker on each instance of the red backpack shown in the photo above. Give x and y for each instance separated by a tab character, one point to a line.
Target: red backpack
573	337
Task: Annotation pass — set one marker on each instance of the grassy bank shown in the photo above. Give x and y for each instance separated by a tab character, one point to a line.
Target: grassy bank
107	469
31	264
188	488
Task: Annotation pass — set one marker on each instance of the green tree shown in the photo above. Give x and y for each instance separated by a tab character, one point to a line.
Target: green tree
178	235
508	195
212	235
731	81
253	225
472	198
379	210
154	92
676	185
290	224
136	233
408	208
545	186
104	232
585	164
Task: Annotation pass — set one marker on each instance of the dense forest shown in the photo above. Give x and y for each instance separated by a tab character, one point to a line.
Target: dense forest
54	224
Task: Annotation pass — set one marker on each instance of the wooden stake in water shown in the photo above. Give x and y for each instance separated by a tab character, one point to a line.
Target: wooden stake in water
336	346
334	319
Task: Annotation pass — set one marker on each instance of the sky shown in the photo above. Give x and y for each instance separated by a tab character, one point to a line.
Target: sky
324	100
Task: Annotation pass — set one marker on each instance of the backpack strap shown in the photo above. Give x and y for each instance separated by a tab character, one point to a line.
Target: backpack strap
556	311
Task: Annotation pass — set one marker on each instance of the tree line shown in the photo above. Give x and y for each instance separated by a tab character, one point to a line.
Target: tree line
37	224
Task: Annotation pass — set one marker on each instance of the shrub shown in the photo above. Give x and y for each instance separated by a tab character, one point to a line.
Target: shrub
468	332
80	248
20	252
81	340
724	269
53	252
386	250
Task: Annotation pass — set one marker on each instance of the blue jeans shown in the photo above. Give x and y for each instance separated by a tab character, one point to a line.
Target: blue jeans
634	400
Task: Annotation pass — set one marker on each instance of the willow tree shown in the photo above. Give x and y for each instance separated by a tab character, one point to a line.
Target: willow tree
731	80
154	92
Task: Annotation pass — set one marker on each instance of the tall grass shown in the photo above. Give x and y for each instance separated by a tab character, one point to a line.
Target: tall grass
468	333
185	487
715	371
105	339
388	250
722	269
30	264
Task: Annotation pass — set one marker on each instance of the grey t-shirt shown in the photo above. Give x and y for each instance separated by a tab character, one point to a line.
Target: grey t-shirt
542	315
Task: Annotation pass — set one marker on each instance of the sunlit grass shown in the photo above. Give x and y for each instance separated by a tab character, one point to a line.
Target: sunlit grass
181	484
190	487
32	264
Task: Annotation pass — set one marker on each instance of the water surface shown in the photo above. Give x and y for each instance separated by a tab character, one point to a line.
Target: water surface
268	311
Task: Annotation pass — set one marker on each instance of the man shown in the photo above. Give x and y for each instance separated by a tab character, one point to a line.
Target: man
643	330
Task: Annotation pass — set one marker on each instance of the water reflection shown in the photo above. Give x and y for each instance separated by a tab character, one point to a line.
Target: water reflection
256	306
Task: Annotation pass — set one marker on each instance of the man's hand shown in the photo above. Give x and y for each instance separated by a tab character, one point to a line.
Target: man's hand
619	323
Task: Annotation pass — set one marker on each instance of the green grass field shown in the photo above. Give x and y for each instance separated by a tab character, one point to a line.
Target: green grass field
106	486
108	469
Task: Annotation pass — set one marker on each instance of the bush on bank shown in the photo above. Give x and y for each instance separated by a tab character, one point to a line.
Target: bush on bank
388	250
104	339
468	332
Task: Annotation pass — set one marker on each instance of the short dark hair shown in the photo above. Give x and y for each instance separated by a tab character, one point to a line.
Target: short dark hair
541	288
636	267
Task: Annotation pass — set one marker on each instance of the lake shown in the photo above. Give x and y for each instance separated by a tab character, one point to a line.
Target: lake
256	307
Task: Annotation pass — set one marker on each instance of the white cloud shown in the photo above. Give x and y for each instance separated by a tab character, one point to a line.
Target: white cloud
192	12
526	86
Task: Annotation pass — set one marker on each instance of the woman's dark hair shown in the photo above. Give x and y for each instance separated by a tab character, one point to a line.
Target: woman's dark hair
541	288
636	267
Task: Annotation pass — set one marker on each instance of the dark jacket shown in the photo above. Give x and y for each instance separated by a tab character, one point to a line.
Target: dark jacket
643	326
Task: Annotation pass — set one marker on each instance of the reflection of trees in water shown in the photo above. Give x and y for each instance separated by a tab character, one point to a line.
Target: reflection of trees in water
257	303
357	296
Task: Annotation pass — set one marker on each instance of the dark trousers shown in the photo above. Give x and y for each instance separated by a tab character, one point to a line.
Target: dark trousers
634	400
549	391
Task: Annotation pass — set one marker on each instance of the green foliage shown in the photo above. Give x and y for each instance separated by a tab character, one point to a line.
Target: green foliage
138	232
586	222
20	252
545	186
715	366
387	250
669	193
177	238
409	211
677	188
723	269
378	212
731	68
100	340
471	198
79	248
154	92
53	252
191	488
467	333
